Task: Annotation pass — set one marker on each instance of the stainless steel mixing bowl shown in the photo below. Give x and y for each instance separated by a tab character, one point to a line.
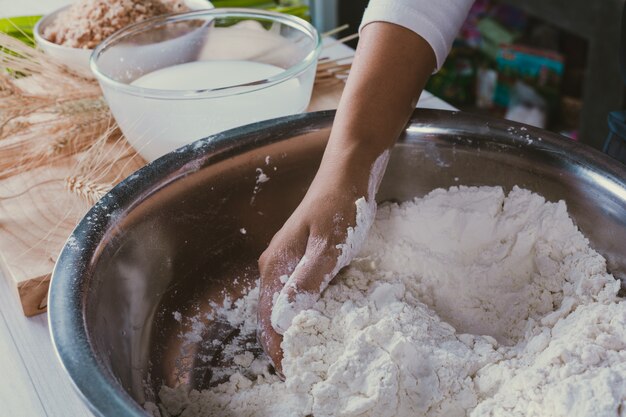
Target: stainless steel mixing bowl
167	239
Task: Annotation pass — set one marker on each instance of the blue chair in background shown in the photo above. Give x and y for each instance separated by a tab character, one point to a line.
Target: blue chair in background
615	143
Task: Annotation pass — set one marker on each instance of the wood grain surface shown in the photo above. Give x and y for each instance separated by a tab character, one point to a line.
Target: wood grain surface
35	224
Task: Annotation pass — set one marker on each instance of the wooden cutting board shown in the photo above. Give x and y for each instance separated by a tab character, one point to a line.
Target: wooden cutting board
35	224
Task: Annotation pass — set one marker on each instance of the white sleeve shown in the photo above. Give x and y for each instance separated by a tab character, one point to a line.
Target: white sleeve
437	21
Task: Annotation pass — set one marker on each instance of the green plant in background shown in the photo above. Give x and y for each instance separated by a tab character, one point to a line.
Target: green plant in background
20	27
293	7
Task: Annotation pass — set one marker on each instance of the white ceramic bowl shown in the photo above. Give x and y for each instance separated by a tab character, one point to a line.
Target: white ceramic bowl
77	59
225	68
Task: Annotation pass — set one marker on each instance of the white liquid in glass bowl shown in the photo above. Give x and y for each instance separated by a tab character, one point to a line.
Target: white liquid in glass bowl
162	125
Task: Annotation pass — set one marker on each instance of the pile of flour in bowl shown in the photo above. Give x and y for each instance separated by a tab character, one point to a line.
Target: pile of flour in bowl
466	302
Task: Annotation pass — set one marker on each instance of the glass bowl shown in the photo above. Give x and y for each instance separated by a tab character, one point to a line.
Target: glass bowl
173	79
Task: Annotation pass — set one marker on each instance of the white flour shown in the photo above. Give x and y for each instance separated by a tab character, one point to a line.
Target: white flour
464	303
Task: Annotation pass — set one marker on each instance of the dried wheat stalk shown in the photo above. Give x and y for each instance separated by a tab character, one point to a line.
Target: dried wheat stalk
332	71
46	111
104	164
86	188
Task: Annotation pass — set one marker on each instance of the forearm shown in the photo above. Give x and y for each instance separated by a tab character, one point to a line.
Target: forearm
390	69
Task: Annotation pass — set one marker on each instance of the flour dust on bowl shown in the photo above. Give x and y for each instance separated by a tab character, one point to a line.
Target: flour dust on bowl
175	79
156	286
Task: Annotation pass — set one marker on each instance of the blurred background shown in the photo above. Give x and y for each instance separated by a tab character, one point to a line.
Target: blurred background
549	63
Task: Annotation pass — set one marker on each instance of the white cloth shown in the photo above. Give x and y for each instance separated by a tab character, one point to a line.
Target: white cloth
437	21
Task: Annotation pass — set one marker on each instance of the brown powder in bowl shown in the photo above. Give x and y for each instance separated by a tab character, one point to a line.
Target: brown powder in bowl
89	22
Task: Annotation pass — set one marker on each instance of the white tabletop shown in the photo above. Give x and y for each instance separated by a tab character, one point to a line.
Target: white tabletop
33	382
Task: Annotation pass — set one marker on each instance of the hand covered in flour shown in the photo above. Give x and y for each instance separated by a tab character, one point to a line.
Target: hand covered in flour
321	237
327	229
